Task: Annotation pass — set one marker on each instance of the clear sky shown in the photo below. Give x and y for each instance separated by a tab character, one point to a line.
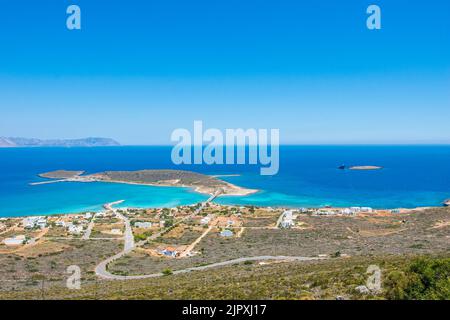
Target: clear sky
140	69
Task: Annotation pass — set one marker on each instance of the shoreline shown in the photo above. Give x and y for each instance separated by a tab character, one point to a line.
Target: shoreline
232	190
236	190
275	207
226	187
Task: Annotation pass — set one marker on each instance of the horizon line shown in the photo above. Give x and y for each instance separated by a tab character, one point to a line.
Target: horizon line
299	144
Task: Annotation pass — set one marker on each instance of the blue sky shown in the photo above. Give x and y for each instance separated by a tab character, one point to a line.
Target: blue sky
140	69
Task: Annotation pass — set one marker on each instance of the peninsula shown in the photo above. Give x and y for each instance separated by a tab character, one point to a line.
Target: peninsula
9	142
168	178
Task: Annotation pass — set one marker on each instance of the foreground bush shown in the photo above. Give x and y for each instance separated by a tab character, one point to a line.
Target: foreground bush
422	279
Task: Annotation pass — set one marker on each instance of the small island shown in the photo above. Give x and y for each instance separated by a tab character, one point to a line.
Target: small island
168	178
344	167
365	168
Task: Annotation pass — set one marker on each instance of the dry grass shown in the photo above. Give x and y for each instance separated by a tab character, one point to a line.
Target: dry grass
292	280
43	248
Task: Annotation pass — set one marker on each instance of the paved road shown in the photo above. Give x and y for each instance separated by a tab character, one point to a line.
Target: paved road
102	273
280	218
128	235
73	238
87	234
101	268
129	244
196	212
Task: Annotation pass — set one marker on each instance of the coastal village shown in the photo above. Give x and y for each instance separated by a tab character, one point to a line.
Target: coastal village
120	242
161	232
188	224
134	244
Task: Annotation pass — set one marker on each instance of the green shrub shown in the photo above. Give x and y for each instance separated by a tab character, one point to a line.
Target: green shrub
167	272
423	279
337	254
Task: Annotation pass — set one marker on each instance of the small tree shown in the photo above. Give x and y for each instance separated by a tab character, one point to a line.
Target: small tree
167	272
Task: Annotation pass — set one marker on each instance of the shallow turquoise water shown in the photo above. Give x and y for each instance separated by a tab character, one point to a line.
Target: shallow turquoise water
69	197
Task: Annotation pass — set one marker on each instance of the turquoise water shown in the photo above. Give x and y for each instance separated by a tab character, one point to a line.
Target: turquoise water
67	197
411	176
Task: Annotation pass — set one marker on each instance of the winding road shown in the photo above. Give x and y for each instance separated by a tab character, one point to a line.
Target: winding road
129	244
102	272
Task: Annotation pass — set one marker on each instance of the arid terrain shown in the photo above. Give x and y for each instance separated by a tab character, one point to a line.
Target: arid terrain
338	248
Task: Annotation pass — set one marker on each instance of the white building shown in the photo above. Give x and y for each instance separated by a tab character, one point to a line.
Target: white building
144	225
100	214
205	220
287	223
116	231
60	223
74	229
15	241
170	252
32	222
226	233
288	219
41	223
347	211
288	214
325	212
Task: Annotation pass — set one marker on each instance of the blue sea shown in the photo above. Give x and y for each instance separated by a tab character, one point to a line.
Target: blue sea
308	177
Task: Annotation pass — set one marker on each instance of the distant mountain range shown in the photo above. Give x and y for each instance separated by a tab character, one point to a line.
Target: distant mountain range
32	142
